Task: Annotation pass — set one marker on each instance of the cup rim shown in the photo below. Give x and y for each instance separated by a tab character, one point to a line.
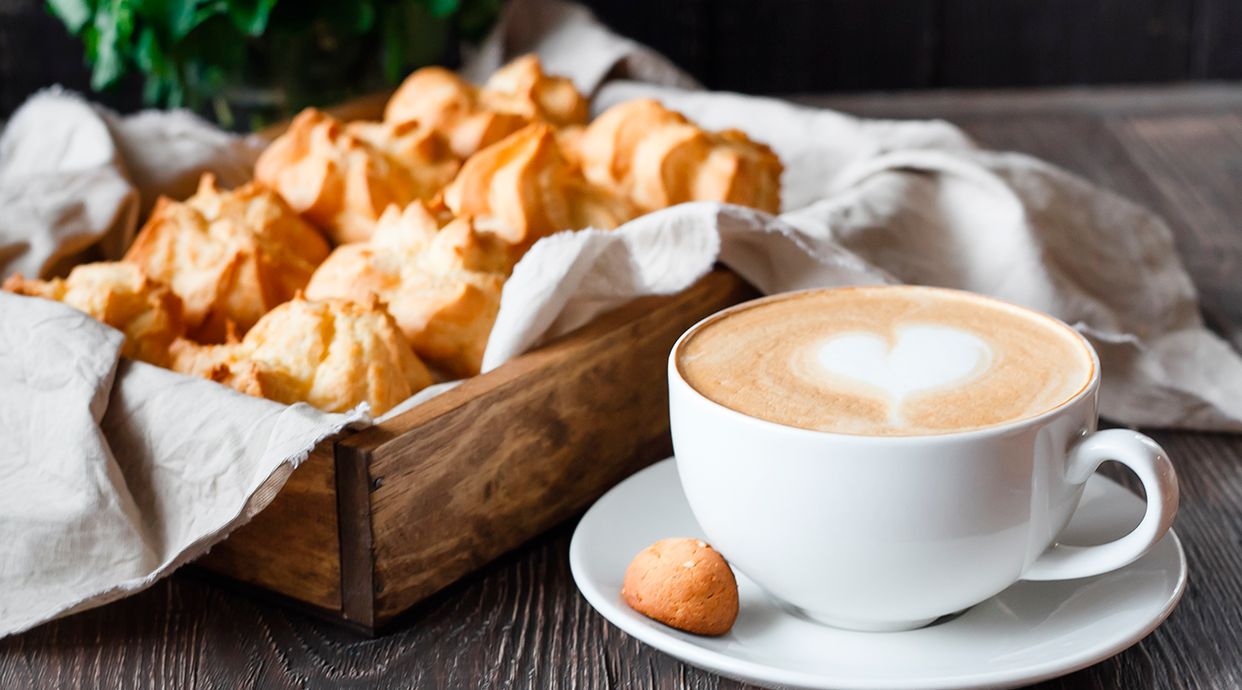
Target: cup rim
1088	388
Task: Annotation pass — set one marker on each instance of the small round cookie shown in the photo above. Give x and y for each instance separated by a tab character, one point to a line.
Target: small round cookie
682	583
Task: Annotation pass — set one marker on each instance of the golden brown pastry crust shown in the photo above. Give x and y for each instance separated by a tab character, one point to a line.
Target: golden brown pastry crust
223	263
657	158
226	364
231	256
424	153
336	179
437	98
472	118
449	316
441	285
120	295
522	87
523	188
332	354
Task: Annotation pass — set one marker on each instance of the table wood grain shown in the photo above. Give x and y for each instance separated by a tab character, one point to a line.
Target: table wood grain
521	623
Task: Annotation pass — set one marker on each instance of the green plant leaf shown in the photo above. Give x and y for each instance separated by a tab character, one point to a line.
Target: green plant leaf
148	55
182	17
422	39
152	89
197	52
204	12
211	56
366	17
74	14
108	66
348	17
394	44
175	95
251	16
477	17
175	18
90	43
442	8
114	24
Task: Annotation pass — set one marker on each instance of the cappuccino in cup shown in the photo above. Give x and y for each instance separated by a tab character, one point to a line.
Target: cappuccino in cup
884	361
877	457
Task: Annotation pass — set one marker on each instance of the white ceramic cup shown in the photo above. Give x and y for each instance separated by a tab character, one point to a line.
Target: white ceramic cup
892	532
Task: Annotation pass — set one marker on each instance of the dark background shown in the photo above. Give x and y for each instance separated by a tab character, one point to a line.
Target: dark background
791	46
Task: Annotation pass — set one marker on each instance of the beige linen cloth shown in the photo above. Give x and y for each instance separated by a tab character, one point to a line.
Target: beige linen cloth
113	473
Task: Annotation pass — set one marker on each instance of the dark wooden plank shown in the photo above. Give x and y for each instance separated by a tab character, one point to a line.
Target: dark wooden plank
1032	42
999	104
830	45
678	29
522	624
821	45
1197	647
1216	44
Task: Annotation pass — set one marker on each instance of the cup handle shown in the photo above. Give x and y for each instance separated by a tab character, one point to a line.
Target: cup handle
1146	459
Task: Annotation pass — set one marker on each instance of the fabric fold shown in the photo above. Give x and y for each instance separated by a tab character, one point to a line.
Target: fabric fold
115	472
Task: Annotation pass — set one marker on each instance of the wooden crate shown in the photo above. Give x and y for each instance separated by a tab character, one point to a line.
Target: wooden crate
377	520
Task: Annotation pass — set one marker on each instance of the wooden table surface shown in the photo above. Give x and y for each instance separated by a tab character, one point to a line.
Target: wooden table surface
521	622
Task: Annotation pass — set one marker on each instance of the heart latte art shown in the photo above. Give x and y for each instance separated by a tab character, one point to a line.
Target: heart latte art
885	361
923	357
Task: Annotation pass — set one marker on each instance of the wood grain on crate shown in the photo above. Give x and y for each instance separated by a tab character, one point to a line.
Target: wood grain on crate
376	521
477	471
292	547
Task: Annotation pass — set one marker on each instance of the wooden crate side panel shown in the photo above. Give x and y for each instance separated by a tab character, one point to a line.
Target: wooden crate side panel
353	489
292	547
508	455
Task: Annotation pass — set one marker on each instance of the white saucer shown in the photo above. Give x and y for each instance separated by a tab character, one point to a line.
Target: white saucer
1030	632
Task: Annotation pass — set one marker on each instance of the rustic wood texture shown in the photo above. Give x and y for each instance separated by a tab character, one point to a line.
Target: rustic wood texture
291	547
520	623
1029	42
376	521
357	544
500	459
1214	40
680	27
753	45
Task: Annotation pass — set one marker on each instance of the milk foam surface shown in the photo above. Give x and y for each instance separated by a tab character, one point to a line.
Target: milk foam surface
886	361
